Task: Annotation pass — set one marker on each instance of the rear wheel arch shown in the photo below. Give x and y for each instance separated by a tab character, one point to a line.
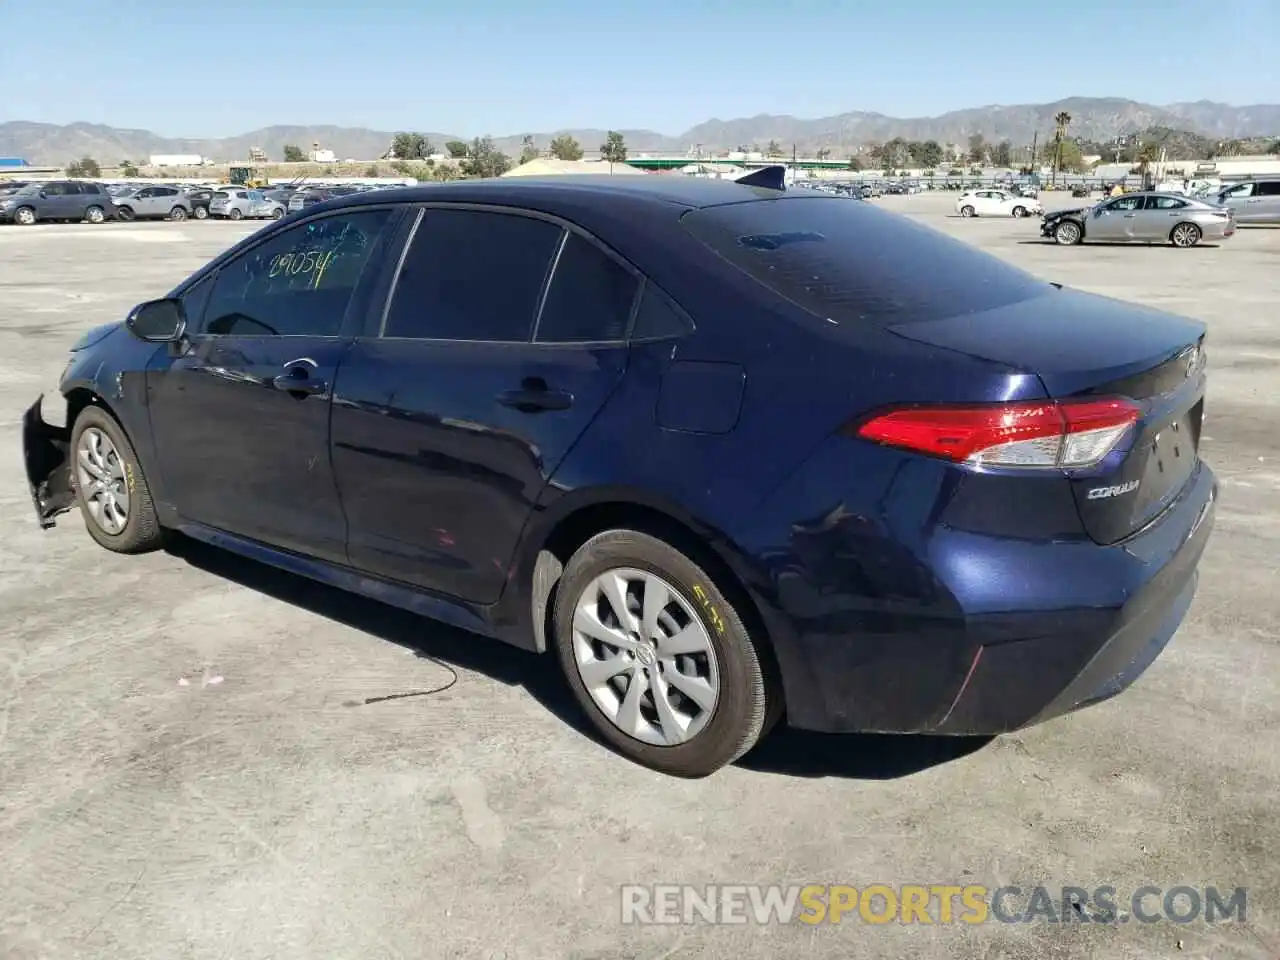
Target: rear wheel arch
580	525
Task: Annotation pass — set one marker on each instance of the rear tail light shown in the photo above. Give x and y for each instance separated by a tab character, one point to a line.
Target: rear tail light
1067	434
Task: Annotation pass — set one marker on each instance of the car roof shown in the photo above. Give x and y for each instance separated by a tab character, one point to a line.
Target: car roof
690	192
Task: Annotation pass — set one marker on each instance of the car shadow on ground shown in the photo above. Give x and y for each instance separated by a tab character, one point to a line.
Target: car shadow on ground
785	751
1050	242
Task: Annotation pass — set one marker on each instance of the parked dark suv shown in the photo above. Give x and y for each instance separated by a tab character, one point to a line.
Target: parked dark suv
72	200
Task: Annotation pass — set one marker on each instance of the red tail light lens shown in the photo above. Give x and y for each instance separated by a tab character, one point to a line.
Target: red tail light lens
1066	434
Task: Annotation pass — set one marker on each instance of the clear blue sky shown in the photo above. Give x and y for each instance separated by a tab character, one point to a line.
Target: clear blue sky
472	67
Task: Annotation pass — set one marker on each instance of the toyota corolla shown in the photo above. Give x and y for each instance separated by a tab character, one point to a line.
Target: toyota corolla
731	454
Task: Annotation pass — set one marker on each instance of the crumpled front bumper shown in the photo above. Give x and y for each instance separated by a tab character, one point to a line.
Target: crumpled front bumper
45	456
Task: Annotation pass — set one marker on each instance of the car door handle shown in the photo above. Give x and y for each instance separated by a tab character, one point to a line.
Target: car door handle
1130	216
304	386
535	397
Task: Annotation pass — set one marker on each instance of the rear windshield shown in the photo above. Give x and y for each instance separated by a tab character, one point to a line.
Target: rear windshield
222	195
849	263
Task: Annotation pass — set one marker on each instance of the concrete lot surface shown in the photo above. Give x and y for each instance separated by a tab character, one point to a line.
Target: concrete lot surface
189	767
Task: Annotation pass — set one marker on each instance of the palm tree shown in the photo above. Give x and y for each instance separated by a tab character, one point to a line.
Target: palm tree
1061	121
1147	155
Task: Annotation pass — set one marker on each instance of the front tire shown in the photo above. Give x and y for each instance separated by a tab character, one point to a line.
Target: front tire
110	487
1019	212
1185	235
201	213
24	216
124	213
967	211
673	680
1068	234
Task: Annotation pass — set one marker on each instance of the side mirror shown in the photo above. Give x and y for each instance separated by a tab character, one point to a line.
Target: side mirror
158	321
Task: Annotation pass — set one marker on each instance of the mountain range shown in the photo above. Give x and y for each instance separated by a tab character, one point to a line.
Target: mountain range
1092	118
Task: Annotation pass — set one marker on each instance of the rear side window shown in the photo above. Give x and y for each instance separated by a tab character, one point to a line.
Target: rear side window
90	188
658	318
472	275
853	264
590	297
1269	188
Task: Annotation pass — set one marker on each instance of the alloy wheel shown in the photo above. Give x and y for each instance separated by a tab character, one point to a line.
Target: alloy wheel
1067	233
100	472
26	216
645	657
1185	235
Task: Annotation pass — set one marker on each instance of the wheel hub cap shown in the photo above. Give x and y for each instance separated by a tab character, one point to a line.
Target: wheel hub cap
103	485
645	657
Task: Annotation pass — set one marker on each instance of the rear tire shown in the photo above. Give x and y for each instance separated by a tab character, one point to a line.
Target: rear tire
1185	235
967	211
178	213
277	214
235	213
110	479
697	635
95	215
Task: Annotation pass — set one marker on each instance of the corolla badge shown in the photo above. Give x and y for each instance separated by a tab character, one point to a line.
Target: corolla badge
1102	493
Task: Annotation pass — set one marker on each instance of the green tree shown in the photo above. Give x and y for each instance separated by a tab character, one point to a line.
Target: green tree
128	168
528	150
774	149
930	153
411	146
1275	147
614	148
84	167
1003	155
564	147
458	149
977	148
371	170
1070	157
855	164
293	153
484	159
895	152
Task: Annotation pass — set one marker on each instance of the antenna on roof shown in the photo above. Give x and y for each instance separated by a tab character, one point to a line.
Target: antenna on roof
771	178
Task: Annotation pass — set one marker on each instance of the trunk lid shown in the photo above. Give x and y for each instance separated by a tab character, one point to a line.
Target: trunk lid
1079	344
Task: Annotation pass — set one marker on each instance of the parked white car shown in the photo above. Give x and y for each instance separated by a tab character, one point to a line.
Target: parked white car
996	203
239	203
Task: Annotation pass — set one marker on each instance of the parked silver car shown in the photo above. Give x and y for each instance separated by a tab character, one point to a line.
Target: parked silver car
1142	218
162	202
241	203
1257	201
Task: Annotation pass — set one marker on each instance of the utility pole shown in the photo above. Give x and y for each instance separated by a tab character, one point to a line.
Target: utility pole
1035	134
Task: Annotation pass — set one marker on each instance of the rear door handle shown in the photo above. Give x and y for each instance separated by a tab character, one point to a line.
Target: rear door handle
535	399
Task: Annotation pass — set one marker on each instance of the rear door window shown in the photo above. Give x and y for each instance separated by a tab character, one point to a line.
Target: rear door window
472	275
849	263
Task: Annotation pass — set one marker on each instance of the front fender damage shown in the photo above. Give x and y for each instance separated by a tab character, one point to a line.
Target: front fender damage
45	453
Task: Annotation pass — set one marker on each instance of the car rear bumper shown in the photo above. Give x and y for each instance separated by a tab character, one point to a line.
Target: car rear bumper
1000	669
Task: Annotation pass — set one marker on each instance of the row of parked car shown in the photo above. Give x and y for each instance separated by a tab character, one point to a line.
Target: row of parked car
93	202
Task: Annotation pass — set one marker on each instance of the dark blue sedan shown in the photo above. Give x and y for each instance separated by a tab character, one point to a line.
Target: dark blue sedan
735	454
